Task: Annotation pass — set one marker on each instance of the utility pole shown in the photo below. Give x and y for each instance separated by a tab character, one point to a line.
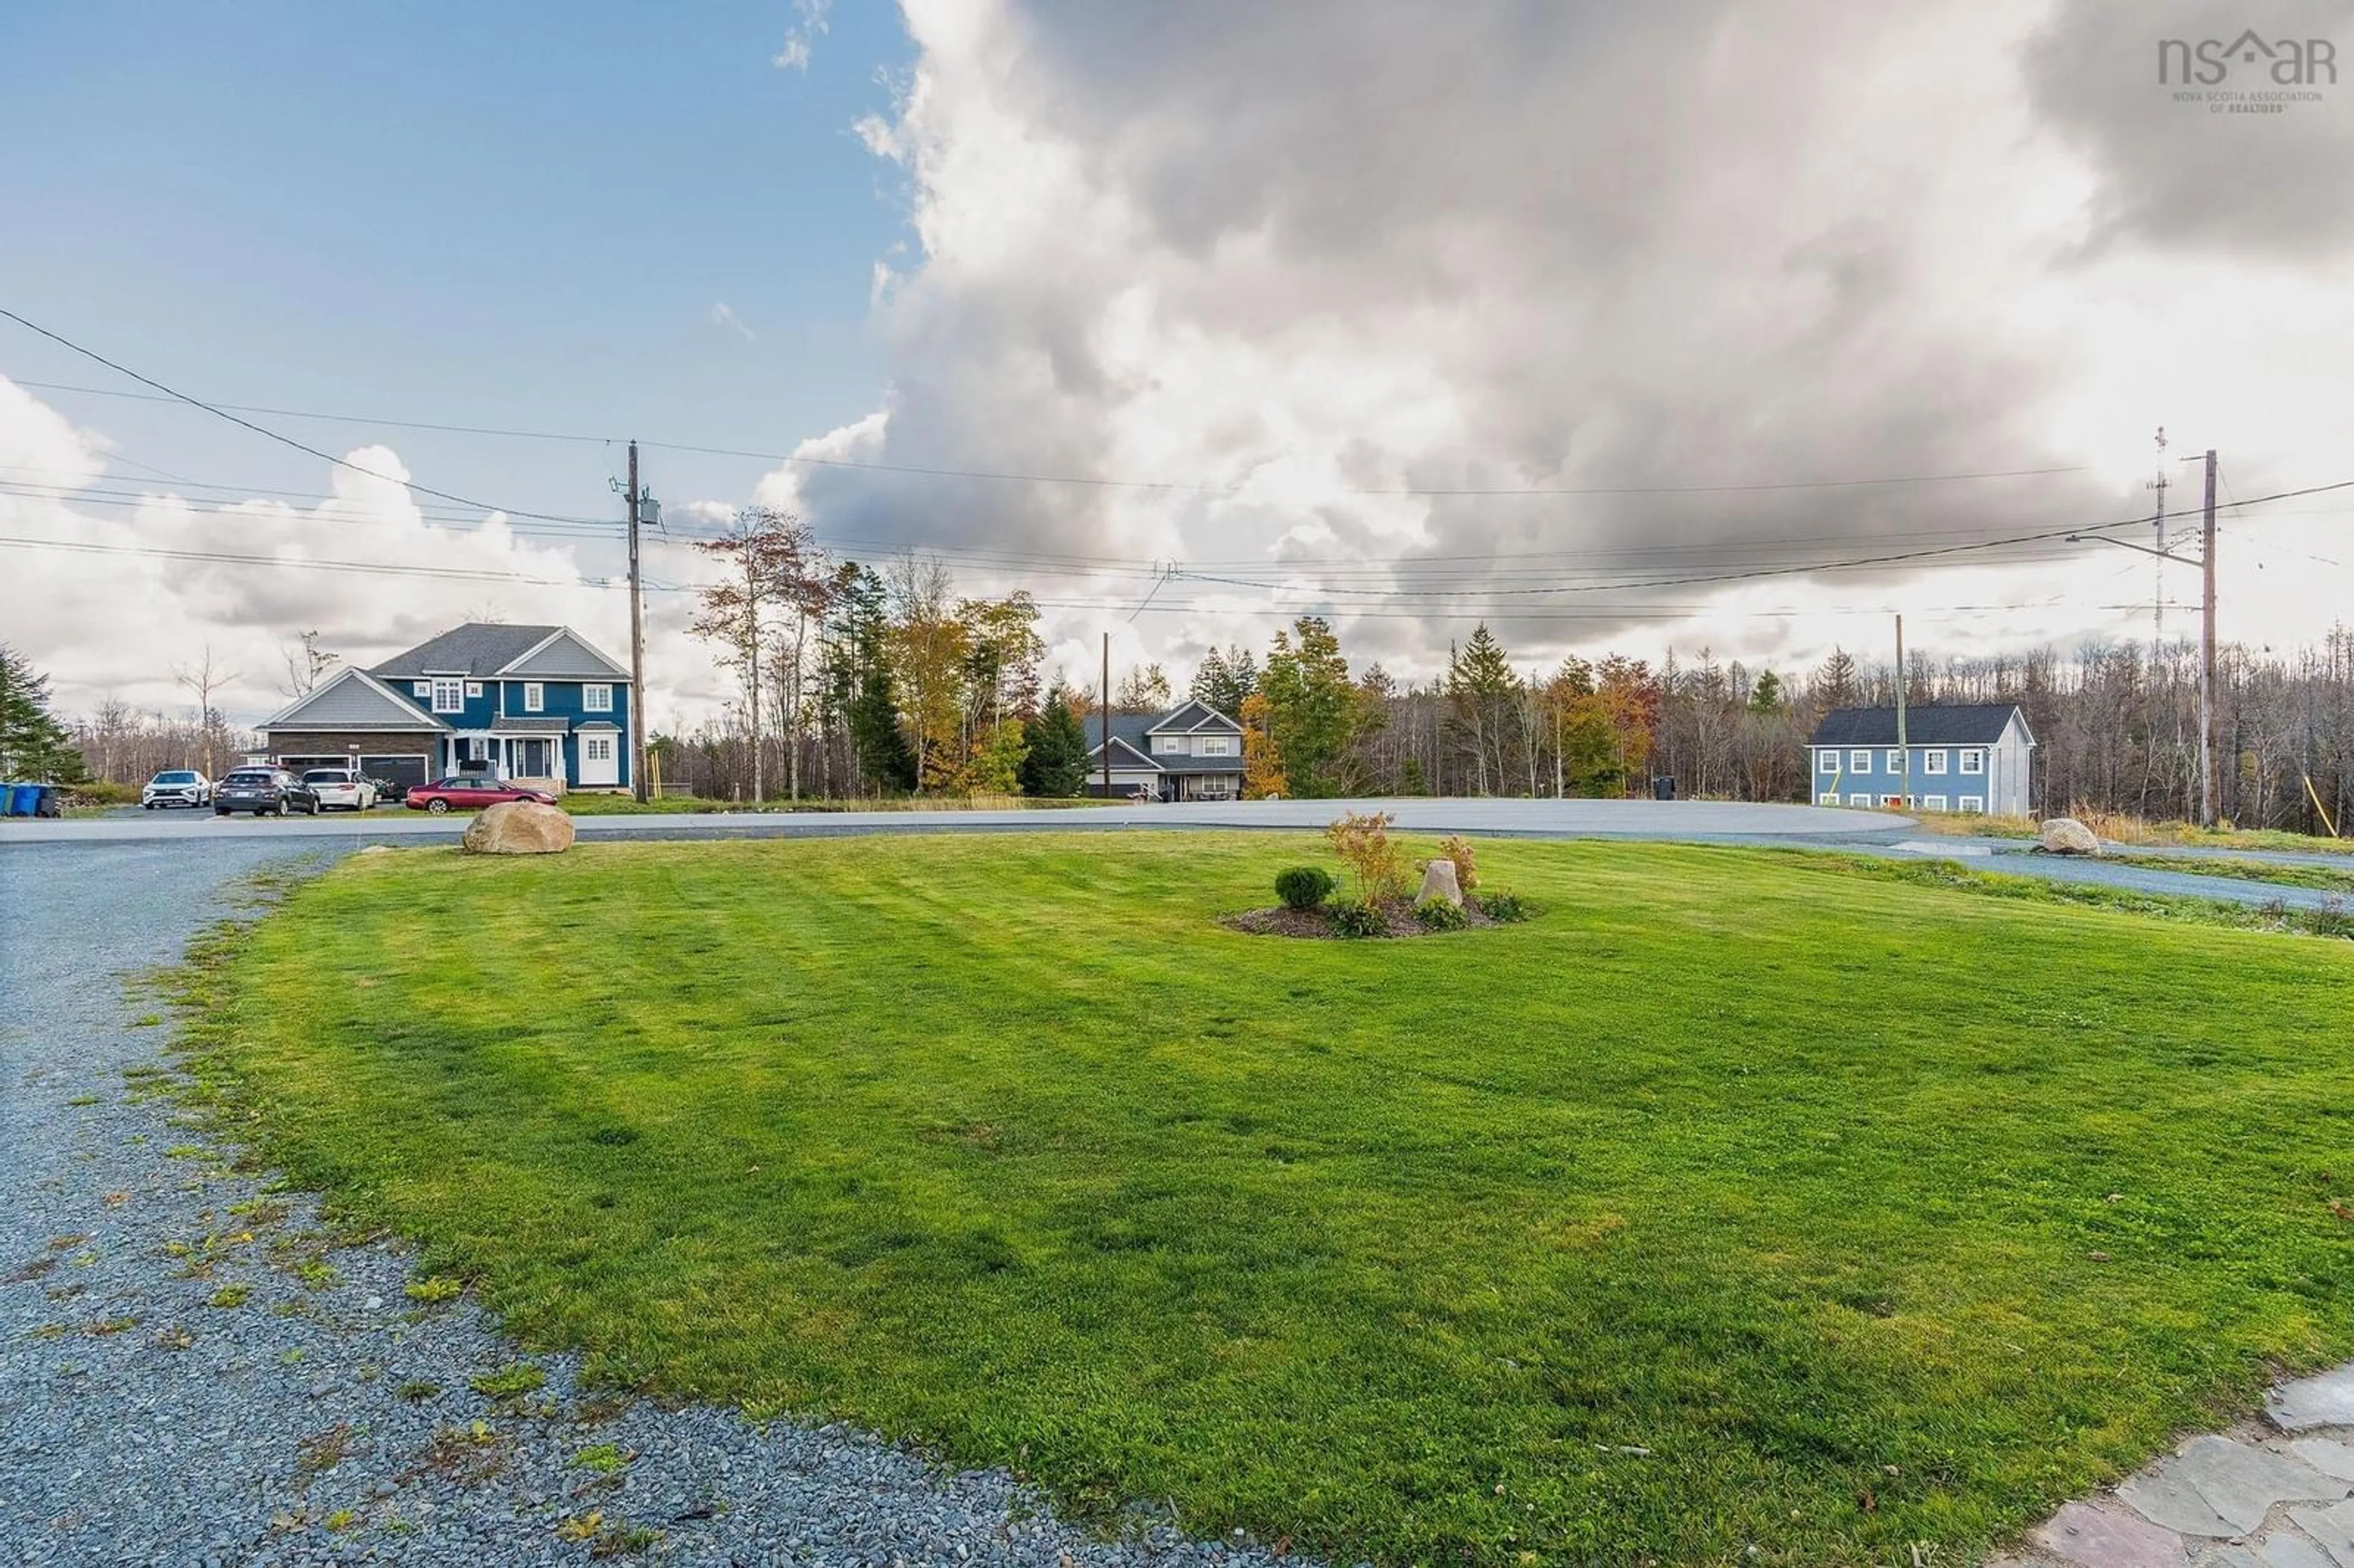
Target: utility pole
2209	792
1904	800
1107	715
2157	601
637	644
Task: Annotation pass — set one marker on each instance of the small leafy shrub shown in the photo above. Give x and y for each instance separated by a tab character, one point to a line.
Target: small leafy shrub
1457	848
1504	907
1359	919
1363	843
433	1289
1304	886
1439	914
510	1382
2330	917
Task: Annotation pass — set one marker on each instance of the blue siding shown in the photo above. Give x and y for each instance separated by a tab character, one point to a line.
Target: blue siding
1877	779
561	699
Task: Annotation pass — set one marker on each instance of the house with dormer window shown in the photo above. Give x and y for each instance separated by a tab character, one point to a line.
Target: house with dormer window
535	705
1193	752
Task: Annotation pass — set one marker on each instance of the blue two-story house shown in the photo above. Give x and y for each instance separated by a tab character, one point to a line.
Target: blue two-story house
1964	758
530	703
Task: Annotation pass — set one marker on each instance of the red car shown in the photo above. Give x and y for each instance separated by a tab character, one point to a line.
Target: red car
468	794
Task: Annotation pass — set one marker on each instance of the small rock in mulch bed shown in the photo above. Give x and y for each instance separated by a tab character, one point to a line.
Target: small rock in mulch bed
1285	921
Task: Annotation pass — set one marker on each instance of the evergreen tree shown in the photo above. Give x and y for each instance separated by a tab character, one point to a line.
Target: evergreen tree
32	745
1225	679
883	754
1479	686
1316	714
1054	766
1765	696
864	690
1210	679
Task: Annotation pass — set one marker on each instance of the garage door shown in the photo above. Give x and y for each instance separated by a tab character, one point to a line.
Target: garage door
405	771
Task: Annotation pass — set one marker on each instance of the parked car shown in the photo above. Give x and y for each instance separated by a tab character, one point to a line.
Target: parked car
466	794
264	791
176	787
341	787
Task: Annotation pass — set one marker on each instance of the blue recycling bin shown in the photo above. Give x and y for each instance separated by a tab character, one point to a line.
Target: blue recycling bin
9	800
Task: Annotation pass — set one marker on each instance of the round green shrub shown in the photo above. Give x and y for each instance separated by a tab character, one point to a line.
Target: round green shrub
1439	914
1504	908
1303	886
1356	918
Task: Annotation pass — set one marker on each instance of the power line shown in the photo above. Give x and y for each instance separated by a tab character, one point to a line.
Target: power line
220	412
1010	476
313	413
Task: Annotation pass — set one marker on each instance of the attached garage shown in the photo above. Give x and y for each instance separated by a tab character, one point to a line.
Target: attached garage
408	770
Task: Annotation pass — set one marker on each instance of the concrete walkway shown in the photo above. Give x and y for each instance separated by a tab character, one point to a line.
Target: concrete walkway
2269	1495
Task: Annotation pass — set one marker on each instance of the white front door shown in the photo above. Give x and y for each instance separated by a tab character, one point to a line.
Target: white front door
600	760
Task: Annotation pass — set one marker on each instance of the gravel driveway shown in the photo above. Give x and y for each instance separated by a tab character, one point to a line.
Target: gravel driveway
195	1370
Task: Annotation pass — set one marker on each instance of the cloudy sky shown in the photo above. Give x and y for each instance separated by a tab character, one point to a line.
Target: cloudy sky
1615	326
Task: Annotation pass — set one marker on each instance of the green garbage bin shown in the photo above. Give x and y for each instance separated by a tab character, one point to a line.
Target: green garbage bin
9	800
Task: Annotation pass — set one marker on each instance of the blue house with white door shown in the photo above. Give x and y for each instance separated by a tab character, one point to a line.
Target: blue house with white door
530	703
1964	758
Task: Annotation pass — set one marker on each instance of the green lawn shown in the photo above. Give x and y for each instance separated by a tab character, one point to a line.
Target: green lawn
1737	1199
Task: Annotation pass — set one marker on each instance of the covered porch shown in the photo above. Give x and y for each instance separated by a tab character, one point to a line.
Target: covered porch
517	750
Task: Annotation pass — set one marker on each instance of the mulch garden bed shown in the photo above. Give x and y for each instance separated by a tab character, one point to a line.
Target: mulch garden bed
1285	921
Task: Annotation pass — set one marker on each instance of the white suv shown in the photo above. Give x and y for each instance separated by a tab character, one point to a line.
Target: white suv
340	787
176	787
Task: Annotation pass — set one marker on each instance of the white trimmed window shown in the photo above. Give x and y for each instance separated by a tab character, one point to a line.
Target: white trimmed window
1933	802
595	748
422	688
1168	744
449	697
477	750
597	699
1888	800
473	688
1862	800
534	696
1827	760
1895	760
1933	761
1827	797
1217	746
1859	761
1974	804
1973	760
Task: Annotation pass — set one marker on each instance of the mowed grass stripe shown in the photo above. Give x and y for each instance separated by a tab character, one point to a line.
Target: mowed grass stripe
1736	1200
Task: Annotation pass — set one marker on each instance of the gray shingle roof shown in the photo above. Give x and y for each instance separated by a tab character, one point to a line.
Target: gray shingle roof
566	657
352	700
479	648
1134	730
1941	724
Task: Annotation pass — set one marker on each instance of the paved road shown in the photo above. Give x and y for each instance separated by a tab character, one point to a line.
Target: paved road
1692	821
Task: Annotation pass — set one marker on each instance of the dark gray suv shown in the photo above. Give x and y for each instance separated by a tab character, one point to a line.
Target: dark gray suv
264	791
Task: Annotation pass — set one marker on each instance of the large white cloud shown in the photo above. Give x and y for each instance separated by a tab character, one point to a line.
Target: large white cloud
116	596
1300	252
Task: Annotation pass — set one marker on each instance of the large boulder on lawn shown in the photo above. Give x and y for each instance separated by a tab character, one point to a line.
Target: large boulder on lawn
2066	836
1439	882
519	827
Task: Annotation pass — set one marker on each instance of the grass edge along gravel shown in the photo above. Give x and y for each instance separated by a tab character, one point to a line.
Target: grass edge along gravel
1690	1436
